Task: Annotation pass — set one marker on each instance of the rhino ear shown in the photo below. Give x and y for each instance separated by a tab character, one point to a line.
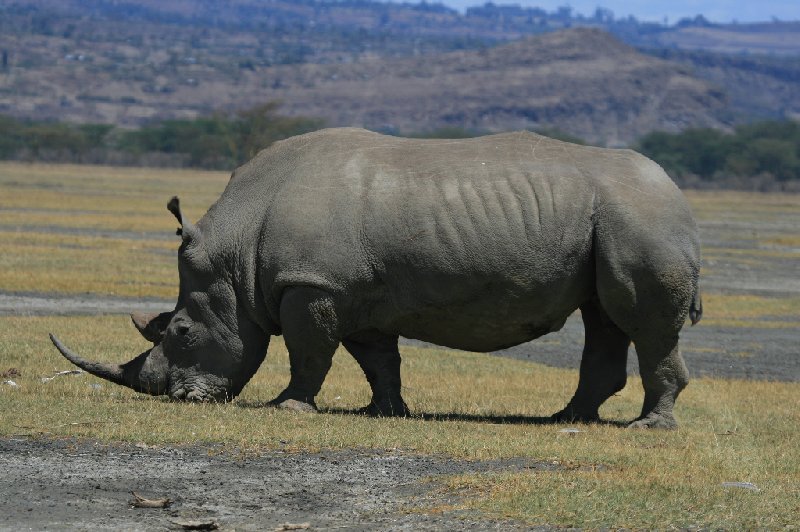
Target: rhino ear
187	230
151	326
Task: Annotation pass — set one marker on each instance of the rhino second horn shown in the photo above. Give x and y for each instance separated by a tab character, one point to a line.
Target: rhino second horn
109	372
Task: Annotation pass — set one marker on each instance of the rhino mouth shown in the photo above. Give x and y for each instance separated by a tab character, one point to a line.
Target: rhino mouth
195	395
199	390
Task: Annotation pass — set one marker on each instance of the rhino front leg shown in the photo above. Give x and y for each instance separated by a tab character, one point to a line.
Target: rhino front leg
603	365
379	358
310	330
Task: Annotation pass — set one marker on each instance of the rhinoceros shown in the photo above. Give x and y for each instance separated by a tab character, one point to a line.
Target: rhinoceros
348	236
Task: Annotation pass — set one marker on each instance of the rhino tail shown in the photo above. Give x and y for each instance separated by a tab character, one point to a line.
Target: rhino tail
696	308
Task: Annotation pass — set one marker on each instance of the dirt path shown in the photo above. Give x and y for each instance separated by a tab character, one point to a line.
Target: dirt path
59	485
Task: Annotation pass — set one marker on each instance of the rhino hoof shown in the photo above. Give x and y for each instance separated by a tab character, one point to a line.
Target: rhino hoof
295	406
655	421
377	410
569	415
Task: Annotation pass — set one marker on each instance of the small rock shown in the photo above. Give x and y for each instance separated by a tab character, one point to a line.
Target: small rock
10	383
296	406
569	431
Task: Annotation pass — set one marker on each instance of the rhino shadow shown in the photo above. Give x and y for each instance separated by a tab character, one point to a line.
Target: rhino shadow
493	419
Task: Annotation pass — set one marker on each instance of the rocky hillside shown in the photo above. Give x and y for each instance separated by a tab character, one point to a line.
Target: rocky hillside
580	81
395	67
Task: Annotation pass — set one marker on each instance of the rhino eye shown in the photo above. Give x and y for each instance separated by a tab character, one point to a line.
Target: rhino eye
181	329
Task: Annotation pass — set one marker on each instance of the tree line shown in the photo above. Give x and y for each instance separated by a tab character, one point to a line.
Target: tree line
762	155
219	141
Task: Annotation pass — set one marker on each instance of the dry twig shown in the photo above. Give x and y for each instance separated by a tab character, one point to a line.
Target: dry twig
61	373
141	502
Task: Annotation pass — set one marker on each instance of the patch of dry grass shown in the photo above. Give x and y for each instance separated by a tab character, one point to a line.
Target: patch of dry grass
731	430
85	187
747	310
40	262
716	205
789	241
59	224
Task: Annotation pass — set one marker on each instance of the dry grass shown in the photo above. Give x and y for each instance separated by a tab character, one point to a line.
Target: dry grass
789	241
731	430
746	310
41	262
101	230
716	205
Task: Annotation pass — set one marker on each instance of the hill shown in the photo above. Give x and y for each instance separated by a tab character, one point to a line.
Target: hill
395	67
581	81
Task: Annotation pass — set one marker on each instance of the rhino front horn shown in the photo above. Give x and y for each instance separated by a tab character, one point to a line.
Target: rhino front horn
145	373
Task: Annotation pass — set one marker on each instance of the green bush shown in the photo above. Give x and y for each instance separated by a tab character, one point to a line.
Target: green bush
764	148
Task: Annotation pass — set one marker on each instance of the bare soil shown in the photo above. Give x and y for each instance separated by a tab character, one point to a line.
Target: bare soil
68	484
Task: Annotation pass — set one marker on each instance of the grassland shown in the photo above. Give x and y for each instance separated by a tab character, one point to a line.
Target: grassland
73	230
99	230
488	408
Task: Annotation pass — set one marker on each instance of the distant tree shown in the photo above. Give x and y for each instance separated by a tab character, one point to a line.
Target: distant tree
763	148
10	137
218	141
254	129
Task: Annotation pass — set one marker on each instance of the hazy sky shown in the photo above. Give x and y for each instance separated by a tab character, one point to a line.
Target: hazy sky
656	10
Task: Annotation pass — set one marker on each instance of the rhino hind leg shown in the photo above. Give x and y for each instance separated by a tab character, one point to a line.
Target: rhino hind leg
310	329
647	290
603	365
664	375
653	322
379	358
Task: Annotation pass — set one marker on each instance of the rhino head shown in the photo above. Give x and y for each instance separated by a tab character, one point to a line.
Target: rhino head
206	349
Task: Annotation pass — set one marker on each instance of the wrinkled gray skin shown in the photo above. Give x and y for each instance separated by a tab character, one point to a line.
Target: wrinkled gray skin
346	236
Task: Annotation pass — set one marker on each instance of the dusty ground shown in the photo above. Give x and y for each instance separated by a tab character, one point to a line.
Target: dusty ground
59	485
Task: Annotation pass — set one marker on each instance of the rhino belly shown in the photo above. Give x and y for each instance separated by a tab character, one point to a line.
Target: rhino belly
476	335
486	323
